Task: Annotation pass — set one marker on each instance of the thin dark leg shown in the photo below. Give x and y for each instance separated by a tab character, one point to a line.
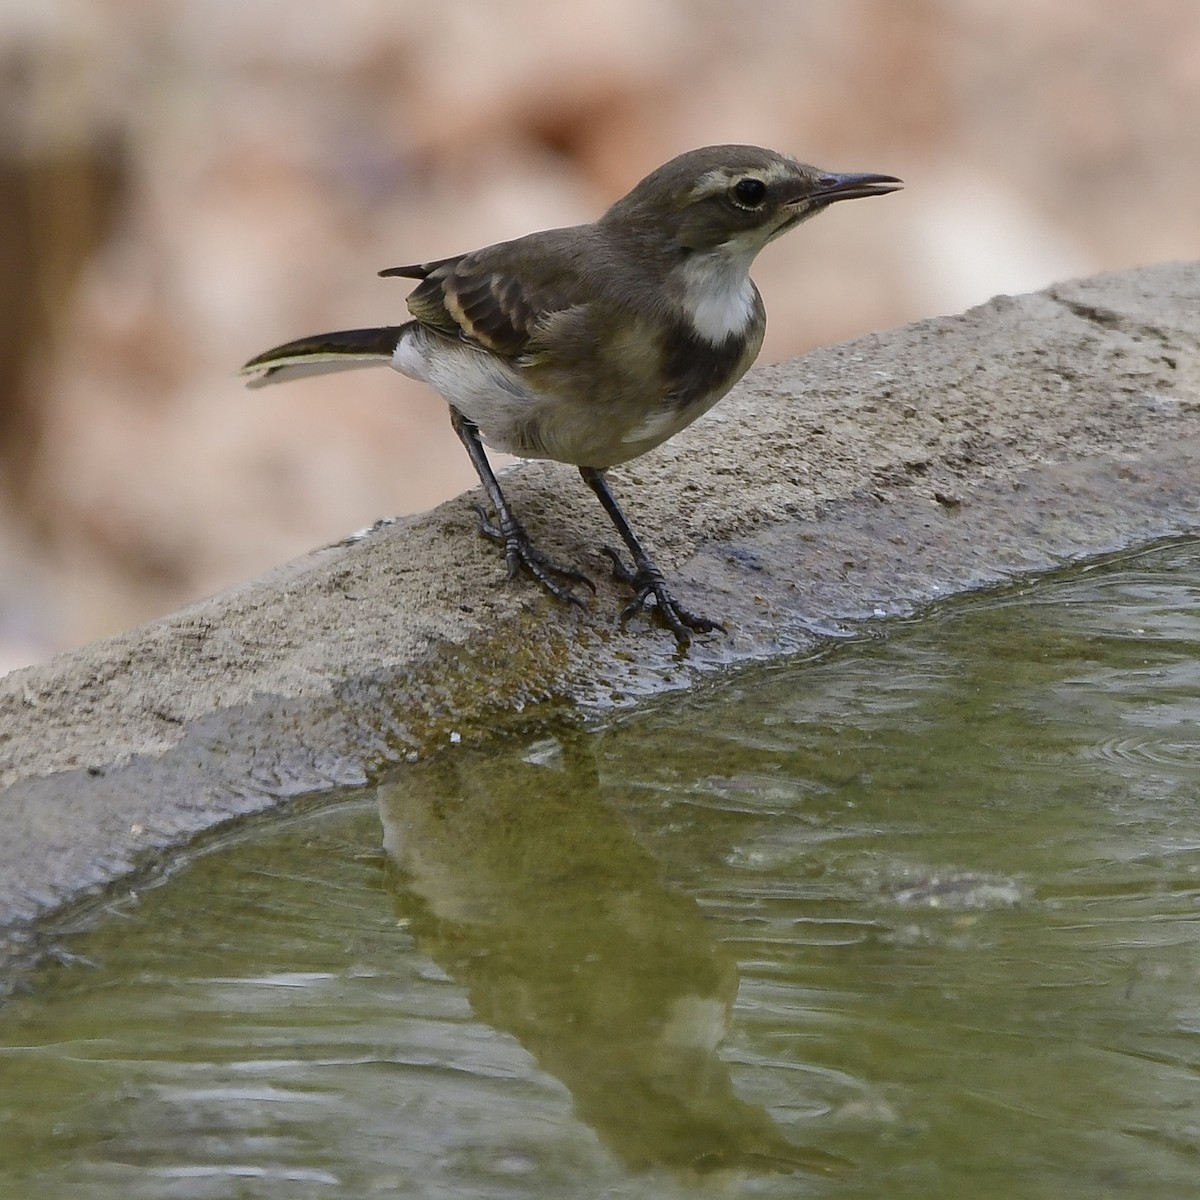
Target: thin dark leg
519	551
645	578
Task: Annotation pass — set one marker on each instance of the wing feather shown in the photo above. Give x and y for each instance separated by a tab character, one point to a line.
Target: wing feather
501	298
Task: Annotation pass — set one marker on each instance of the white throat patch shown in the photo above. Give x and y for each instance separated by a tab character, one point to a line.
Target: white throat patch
718	294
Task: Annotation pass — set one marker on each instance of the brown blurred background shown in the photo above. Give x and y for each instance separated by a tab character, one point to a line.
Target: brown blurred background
185	182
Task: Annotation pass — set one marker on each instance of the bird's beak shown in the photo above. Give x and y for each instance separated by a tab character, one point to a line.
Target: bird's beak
829	188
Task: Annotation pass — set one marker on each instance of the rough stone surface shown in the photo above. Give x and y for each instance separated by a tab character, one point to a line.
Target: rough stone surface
860	481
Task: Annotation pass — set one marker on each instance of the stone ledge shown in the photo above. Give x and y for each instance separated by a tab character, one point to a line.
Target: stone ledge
862	480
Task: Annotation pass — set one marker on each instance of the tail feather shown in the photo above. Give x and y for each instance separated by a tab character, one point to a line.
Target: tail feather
344	350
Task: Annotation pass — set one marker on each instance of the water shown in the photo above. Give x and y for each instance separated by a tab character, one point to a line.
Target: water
919	919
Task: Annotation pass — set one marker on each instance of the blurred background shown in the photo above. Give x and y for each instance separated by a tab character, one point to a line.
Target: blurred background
186	182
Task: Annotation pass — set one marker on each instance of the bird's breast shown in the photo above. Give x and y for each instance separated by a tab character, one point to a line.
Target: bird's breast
698	372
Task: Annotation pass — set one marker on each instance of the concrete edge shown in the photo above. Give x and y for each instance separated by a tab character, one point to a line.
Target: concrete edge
859	482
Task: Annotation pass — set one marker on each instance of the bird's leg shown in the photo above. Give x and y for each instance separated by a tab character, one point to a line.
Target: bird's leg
519	551
645	578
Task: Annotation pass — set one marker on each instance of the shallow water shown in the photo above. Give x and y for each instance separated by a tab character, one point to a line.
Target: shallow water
918	919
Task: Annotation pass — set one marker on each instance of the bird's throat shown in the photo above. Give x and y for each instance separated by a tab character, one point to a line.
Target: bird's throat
718	297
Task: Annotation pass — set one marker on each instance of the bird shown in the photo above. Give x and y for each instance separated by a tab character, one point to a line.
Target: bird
591	345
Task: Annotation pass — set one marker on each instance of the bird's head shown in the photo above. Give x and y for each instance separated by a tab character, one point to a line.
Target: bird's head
734	199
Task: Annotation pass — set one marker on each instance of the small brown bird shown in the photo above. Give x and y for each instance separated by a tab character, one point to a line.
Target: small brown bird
593	344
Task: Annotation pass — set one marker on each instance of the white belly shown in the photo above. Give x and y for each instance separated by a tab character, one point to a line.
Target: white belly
485	389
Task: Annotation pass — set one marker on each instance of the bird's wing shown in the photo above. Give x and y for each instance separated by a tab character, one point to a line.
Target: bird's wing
495	298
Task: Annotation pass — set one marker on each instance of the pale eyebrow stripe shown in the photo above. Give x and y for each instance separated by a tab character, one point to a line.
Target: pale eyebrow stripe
716	180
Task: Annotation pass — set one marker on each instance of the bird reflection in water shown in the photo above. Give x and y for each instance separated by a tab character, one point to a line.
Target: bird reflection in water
527	889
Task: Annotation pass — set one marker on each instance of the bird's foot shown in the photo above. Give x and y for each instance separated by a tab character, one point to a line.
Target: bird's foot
521	554
646	581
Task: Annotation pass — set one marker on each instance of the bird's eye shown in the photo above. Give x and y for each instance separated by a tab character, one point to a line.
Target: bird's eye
749	193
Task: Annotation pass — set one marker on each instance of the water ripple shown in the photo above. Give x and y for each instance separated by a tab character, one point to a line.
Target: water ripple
1150	748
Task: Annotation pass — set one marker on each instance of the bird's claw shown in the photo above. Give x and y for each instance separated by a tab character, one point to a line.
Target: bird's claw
521	554
646	581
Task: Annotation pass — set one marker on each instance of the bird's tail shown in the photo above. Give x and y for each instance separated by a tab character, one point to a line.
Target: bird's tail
323	352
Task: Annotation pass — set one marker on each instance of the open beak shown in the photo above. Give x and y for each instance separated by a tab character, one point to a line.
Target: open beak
850	187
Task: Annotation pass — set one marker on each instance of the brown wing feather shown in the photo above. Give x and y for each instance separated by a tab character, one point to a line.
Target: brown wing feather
499	298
